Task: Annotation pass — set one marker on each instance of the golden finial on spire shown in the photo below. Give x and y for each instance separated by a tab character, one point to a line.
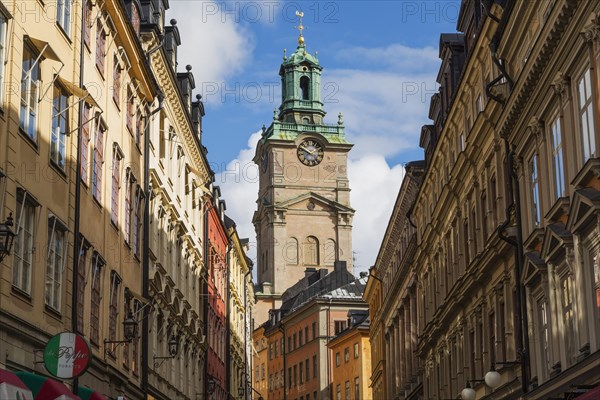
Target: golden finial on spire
300	27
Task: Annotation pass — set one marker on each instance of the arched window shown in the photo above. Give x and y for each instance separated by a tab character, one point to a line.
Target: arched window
304	87
291	251
329	252
311	251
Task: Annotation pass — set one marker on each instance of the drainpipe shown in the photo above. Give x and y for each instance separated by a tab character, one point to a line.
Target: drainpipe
517	243
76	238
285	377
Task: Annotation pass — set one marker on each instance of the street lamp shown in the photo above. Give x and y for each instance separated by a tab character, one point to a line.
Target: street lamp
173	348
130	326
7	237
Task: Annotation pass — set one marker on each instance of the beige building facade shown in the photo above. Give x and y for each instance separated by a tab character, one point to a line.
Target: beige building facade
92	238
505	264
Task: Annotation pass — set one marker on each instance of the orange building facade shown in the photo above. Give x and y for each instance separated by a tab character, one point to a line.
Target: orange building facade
351	357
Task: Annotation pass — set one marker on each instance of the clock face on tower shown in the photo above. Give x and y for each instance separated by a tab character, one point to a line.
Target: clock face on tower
310	153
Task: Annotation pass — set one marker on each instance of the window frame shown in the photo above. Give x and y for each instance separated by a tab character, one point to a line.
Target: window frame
29	105
64	10
586	109
32	208
55	263
59	126
557	153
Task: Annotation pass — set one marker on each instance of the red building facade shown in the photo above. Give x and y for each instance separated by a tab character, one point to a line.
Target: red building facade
216	333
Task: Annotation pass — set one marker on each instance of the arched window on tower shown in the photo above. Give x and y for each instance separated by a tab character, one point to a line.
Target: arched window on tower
304	87
311	251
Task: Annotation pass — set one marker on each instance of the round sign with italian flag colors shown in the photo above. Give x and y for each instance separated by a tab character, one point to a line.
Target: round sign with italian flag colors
67	355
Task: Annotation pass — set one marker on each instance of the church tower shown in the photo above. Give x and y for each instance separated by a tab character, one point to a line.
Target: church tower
303	220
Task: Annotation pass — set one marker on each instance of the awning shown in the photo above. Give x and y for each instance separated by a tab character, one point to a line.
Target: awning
44	388
11	387
77	91
88	394
43	48
593	394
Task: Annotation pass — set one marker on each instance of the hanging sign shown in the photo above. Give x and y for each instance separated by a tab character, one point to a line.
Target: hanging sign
67	355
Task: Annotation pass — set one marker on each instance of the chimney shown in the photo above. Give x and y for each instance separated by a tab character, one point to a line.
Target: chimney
309	272
339	266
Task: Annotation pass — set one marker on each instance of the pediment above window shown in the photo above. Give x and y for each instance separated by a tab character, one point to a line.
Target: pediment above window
556	239
584	209
533	268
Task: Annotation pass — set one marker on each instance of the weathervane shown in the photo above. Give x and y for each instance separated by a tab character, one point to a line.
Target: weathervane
300	27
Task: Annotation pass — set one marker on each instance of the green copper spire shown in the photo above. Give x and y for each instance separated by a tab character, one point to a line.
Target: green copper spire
301	109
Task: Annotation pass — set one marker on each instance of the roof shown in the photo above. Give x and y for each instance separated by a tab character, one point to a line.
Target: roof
301	56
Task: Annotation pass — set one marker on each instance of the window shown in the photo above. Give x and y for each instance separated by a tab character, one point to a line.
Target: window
30	86
270	382
338	392
270	351
63	15
100	43
262	372
346	355
314	366
97	264
311	251
135	18
2	51
315	395
340	326
586	115
289	377
60	127
596	271
356	350
113	307
85	140
337	359
97	162
295	341
129	116
300	338
139	130
544	335
295	375
81	277
24	243
301	368
306	333
138	210
117	82
305	88
347	387
356	388
307	370
566	297
534	190
129	188
116	184
557	158
55	261
87	28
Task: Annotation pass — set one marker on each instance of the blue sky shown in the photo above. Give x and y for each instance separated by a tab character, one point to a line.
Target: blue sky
380	61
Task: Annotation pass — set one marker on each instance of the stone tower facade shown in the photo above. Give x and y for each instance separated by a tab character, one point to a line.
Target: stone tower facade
303	218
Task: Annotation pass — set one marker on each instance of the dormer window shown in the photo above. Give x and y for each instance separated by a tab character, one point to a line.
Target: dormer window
304	88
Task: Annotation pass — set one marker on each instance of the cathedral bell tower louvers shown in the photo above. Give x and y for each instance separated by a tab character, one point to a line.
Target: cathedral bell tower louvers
303	220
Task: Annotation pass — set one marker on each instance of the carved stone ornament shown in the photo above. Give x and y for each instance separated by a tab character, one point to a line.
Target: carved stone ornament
591	32
560	84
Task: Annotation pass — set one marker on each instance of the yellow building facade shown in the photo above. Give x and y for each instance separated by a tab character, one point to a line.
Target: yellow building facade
351	361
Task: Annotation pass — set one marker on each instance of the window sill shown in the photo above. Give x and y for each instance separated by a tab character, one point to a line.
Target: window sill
64	33
22	295
52	312
33	143
59	170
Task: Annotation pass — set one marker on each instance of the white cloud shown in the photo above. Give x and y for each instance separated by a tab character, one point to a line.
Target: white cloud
374	187
215	46
239	184
394	56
